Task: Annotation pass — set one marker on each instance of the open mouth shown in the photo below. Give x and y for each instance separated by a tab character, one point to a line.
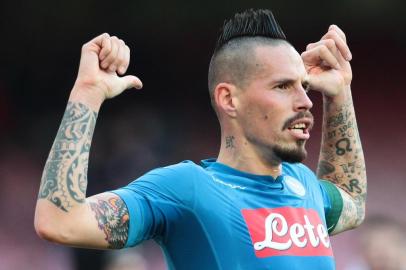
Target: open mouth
300	128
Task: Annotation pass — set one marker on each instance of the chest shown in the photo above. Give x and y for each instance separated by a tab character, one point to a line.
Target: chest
264	222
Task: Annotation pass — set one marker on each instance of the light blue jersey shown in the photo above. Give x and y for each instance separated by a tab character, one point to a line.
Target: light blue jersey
211	216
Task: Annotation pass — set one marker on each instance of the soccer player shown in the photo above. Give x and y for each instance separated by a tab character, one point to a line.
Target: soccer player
255	206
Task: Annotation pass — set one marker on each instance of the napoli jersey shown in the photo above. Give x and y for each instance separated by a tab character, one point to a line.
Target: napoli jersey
211	216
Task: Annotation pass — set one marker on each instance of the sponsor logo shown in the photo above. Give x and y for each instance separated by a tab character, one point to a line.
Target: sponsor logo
294	185
287	231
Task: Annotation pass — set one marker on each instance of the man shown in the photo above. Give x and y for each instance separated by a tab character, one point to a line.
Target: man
255	206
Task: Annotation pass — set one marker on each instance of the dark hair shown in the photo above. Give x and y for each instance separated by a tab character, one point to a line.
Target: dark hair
250	23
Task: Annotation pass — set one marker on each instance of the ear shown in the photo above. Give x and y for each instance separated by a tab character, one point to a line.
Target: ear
225	95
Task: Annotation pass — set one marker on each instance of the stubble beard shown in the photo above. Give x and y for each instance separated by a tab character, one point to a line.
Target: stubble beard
288	154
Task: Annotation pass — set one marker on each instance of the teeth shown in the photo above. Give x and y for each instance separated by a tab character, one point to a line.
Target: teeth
299	126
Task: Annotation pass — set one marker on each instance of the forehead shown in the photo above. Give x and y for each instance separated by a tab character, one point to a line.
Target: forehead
279	62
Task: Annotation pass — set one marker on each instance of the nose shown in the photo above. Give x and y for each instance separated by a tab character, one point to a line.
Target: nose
302	101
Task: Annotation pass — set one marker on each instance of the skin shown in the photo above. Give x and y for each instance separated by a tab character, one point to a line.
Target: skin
255	116
253	122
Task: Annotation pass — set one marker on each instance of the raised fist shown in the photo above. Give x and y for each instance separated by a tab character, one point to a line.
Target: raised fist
103	61
327	63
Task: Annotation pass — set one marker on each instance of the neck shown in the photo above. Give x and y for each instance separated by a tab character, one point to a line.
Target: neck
240	154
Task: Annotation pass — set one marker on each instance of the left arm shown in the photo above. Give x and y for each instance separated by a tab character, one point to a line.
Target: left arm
341	160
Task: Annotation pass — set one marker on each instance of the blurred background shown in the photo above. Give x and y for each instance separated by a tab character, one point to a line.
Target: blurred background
171	120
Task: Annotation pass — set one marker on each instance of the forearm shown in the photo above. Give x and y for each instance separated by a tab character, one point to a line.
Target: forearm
64	179
63	214
341	156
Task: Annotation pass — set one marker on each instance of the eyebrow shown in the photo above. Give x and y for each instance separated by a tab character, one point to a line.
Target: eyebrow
284	81
288	81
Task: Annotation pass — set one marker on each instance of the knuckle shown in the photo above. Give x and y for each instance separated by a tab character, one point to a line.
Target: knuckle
118	60
333	34
107	48
330	43
107	60
323	49
107	42
328	35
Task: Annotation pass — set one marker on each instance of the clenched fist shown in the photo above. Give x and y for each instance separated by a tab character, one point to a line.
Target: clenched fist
103	61
327	63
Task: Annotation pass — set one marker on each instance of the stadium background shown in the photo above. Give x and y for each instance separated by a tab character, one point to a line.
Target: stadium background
170	119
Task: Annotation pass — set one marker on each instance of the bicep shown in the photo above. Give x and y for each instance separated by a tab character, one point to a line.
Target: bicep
101	223
111	215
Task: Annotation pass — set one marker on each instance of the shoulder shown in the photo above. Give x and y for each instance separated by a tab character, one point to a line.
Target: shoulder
181	169
173	183
174	176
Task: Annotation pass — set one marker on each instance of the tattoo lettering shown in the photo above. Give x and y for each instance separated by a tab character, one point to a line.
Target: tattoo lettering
331	134
344	128
230	142
342	146
349	167
353	186
113	219
337	120
64	179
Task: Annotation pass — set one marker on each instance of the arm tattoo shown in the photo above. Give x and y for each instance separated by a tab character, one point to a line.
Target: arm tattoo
325	167
64	178
341	156
113	219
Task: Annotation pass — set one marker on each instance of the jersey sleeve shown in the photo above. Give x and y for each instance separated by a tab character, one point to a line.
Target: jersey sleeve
332	200
333	203
155	200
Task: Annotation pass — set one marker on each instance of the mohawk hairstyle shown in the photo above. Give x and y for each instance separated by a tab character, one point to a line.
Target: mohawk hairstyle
234	58
250	23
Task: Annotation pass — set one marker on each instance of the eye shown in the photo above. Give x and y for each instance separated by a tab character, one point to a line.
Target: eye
283	86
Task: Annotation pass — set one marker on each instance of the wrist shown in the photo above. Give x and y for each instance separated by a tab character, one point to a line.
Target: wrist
342	97
87	96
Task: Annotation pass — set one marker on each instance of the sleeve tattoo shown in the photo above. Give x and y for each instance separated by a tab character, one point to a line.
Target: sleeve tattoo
342	159
64	180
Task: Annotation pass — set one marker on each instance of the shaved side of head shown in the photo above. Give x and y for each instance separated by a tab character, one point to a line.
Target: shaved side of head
234	59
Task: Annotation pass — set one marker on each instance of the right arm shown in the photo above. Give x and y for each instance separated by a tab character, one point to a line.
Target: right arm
63	214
